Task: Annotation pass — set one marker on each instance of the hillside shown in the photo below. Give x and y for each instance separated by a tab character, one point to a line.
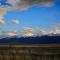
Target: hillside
31	40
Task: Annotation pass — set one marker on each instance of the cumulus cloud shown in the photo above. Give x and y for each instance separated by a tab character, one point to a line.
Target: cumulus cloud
10	33
28	34
14	22
23	4
2	12
5	7
12	1
28	31
1	23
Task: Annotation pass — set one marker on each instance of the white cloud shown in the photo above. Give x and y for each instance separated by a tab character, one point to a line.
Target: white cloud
10	33
28	31
1	23
14	22
23	4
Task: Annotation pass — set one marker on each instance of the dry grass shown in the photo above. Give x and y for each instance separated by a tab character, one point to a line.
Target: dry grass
30	52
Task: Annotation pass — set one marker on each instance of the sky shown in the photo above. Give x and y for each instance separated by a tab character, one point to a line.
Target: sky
32	15
35	16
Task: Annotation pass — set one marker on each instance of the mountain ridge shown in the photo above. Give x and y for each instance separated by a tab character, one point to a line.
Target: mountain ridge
31	40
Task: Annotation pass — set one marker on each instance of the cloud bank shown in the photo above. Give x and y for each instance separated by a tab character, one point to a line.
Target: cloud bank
23	5
30	32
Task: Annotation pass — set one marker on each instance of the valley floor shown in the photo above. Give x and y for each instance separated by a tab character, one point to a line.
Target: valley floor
30	52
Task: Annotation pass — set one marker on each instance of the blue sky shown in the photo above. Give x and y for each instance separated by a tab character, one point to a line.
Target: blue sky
35	16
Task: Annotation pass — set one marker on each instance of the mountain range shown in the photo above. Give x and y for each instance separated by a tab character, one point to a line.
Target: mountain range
55	39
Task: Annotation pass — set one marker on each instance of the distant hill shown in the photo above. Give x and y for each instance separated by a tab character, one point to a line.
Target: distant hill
31	40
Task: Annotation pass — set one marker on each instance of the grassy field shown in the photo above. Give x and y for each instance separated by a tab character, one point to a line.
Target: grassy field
30	52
